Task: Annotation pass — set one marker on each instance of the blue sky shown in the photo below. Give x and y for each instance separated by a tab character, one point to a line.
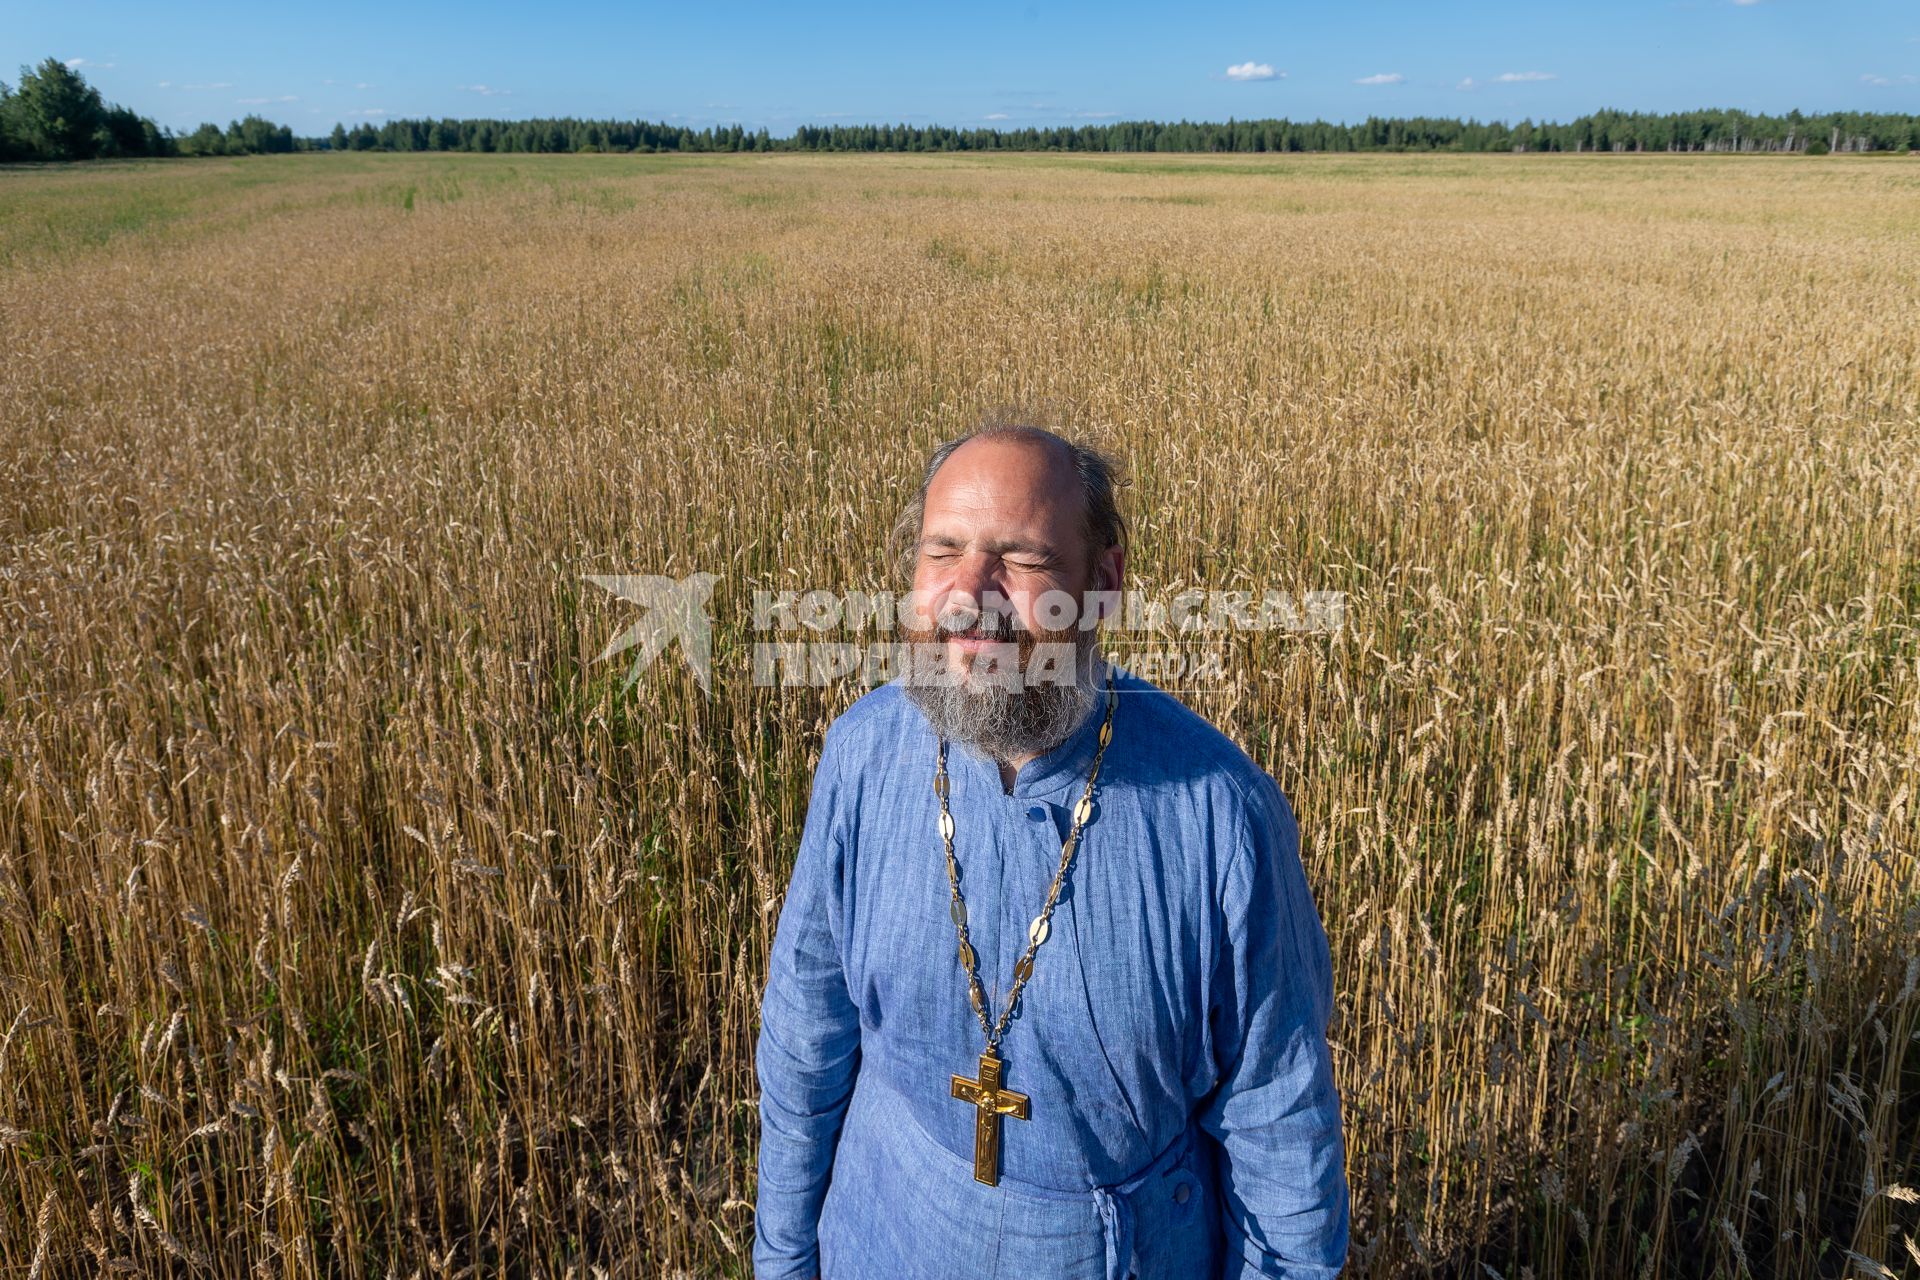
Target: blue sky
992	65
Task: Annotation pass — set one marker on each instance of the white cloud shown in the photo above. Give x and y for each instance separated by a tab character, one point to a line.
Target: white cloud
1746	3
363	85
1468	83
999	115
1873	79
488	91
369	111
1254	71
1525	77
77	63
254	102
1385	77
212	84
1094	115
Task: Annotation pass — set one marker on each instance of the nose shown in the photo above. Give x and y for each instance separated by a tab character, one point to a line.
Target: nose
975	585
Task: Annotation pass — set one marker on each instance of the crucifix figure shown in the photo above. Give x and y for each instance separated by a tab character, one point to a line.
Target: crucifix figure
993	1102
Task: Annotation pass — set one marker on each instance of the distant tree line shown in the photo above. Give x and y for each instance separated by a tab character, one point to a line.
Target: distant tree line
1600	131
55	115
251	136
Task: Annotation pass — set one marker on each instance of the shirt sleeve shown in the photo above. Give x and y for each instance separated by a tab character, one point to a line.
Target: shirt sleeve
808	1051
1274	1115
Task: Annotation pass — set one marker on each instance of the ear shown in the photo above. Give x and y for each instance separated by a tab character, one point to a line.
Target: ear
1107	569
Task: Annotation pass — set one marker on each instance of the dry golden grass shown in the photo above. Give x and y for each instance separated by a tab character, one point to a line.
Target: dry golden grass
353	921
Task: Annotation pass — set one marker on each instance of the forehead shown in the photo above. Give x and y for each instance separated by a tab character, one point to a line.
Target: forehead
1006	484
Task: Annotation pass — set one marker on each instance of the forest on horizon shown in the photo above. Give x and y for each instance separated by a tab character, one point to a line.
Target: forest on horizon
54	115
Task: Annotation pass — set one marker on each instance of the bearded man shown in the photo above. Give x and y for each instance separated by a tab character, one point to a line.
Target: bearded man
1048	993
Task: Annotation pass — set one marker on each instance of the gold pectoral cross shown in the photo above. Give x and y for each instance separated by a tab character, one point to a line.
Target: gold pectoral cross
993	1102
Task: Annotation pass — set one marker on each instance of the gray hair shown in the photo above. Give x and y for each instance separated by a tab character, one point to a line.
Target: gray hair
1098	473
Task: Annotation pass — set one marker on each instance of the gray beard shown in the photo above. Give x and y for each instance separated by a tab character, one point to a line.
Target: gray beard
1006	724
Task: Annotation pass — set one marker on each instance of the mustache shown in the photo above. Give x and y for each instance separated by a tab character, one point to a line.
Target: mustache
981	628
1001	629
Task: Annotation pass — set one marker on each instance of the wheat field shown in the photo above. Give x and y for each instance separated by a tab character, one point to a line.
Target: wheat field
355	921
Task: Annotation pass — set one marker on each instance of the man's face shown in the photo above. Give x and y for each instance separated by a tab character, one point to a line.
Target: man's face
1000	573
1002	555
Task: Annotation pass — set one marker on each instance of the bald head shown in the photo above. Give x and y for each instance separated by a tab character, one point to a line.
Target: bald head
1035	479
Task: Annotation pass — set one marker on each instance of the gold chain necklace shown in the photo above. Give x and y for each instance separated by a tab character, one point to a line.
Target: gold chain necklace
990	1100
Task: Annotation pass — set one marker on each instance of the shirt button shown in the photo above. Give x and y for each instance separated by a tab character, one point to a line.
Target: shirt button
1037	813
1181	1192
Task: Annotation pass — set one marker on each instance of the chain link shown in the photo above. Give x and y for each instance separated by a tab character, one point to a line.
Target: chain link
1038	930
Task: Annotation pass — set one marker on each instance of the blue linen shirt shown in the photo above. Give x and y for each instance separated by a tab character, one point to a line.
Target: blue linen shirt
1183	1118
